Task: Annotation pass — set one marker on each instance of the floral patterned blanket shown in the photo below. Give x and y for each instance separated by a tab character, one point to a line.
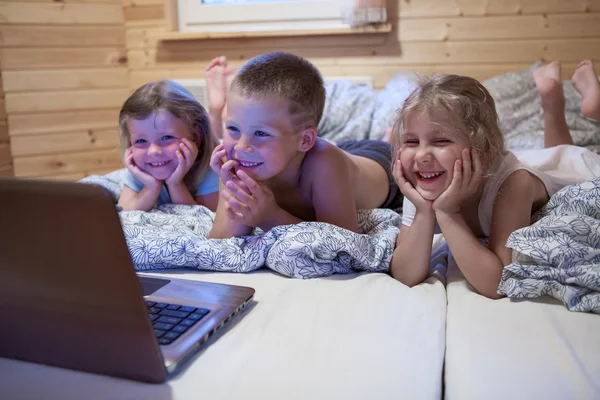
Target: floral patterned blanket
175	236
559	255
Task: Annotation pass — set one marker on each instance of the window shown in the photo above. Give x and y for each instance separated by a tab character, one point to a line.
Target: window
258	15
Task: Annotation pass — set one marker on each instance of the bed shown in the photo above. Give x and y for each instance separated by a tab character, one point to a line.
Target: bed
518	349
351	336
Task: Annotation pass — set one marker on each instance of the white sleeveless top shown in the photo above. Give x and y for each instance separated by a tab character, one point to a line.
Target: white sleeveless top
556	167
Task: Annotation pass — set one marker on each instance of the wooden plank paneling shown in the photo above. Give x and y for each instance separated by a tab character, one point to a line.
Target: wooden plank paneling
59	122
6	171
498	28
75	176
142	38
66	163
61	36
58	13
415	53
12	59
23	80
2	107
118	2
5	154
70	100
140	12
64	142
3	131
442	8
481	52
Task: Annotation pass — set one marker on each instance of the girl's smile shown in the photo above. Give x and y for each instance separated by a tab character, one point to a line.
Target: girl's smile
428	155
155	142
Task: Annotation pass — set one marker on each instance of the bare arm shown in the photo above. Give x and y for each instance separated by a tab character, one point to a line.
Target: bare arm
331	187
180	194
480	265
209	200
143	200
411	258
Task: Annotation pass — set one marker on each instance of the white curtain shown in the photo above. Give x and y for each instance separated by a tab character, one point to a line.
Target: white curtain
364	12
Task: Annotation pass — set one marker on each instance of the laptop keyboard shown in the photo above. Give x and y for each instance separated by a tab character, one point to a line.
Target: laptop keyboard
172	320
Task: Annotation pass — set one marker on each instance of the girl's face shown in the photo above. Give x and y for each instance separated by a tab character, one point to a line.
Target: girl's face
155	141
428	155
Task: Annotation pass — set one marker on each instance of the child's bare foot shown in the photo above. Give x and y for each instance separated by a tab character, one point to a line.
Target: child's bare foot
549	86
216	84
586	83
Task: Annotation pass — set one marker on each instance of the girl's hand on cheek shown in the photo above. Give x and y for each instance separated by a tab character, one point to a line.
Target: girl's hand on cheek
186	156
407	189
465	183
142	176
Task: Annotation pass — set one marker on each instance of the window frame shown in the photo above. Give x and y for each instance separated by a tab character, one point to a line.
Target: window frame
193	16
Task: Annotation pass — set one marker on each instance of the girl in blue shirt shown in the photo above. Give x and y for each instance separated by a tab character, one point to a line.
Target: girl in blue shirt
167	141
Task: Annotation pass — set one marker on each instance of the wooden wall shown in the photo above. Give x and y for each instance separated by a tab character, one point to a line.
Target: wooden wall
67	65
481	38
64	76
6	168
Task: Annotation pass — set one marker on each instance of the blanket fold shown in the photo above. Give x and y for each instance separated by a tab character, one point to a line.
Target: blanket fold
559	255
175	236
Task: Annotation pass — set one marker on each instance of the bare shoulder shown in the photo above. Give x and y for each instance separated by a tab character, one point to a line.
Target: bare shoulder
518	183
325	158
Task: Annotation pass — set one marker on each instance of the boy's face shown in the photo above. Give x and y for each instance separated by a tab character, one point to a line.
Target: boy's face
428	155
259	135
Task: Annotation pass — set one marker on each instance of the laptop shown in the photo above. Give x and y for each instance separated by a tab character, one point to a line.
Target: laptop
70	297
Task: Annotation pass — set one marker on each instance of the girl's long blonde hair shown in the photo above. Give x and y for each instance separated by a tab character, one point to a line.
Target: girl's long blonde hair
463	108
174	98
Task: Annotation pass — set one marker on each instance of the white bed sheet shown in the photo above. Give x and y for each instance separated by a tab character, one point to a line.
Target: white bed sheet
518	349
343	337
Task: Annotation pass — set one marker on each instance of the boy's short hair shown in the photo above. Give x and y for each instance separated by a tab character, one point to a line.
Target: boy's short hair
288	77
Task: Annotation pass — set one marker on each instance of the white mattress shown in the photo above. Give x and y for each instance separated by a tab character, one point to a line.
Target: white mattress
518	349
344	337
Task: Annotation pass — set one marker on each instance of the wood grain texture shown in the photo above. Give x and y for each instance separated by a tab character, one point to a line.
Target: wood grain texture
64	79
19	103
92	139
62	36
66	163
66	121
59	13
67	66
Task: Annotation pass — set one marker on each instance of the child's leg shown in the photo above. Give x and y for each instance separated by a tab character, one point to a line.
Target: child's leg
549	86
218	79
387	137
586	83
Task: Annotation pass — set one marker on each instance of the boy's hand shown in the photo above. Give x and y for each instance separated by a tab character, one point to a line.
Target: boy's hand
186	156
251	207
218	158
142	176
407	189
225	168
465	183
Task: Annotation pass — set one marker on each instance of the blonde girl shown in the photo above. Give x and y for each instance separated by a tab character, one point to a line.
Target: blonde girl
459	180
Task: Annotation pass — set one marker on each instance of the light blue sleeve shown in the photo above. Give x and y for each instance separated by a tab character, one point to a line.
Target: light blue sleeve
132	182
210	184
